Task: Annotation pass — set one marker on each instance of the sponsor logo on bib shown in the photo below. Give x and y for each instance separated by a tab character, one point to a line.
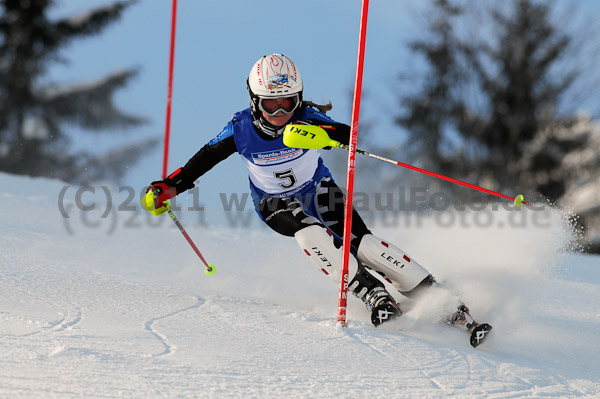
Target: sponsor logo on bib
275	157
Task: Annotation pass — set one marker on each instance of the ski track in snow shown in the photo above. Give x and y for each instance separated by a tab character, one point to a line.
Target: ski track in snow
68	321
382	350
149	325
101	316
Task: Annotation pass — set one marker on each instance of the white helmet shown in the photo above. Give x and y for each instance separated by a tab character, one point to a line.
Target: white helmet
274	76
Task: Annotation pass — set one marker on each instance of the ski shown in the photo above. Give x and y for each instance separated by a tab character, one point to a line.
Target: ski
479	333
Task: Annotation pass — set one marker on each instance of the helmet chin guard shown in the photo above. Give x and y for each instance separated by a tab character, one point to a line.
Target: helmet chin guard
273	76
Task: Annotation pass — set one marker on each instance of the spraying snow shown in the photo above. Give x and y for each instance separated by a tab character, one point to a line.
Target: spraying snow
87	310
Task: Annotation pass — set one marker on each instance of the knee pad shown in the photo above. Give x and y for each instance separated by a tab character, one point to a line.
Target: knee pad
392	263
318	244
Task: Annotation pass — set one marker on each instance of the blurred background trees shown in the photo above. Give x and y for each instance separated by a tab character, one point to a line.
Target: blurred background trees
498	100
504	95
36	119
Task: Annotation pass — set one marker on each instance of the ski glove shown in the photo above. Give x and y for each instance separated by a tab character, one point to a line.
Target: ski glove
160	191
156	195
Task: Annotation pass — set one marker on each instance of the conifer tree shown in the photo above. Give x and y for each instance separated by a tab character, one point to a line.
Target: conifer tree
488	110
35	118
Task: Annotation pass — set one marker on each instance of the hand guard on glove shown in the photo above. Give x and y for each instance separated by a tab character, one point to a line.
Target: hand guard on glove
156	195
332	129
160	191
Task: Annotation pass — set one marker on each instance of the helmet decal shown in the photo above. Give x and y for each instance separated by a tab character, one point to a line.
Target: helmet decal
278	81
278	72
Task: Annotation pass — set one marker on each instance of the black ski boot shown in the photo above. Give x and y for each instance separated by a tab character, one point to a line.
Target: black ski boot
462	317
373	293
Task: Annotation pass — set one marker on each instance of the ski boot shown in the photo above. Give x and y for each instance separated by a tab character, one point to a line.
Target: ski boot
372	292
462	317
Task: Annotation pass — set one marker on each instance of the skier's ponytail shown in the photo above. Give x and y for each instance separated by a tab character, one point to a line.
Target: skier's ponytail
322	108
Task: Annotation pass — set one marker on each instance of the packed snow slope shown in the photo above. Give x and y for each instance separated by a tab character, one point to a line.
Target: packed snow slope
120	307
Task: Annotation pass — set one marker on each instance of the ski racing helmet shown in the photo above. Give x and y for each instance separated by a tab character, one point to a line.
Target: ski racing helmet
274	77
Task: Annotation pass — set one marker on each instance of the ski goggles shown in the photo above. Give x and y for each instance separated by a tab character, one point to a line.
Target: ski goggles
271	106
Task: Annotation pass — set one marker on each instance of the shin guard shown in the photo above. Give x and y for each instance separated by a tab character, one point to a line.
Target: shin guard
318	244
392	263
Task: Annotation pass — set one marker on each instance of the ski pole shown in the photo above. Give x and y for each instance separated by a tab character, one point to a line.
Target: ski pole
310	136
518	200
210	268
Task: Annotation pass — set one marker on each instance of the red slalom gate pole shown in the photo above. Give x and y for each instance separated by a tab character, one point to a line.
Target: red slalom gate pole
344	278
170	89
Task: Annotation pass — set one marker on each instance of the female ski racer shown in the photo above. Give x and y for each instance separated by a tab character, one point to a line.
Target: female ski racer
293	191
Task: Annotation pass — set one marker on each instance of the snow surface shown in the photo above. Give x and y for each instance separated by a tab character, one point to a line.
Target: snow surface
90	312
